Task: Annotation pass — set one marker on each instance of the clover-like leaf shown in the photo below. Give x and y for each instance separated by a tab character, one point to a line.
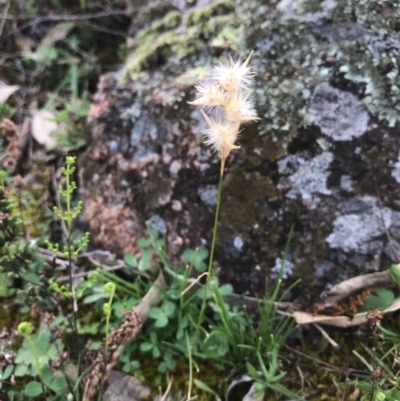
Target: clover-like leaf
130	260
144	347
144	263
380	299
169	308
33	389
144	242
161	319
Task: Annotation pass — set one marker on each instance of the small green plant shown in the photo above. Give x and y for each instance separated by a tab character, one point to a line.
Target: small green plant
109	288
33	359
229	336
269	379
225	92
41	349
71	248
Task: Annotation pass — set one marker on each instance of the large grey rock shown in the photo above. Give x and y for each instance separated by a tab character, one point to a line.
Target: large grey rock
324	153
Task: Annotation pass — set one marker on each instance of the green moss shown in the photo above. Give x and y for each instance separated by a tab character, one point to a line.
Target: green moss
170	21
203	15
234	35
152	50
215	24
193	75
162	41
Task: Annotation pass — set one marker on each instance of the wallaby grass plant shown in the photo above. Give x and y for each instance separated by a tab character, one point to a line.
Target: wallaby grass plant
224	91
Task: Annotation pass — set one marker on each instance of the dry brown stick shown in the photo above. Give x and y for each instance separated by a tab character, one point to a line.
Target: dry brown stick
347	287
58	260
334	344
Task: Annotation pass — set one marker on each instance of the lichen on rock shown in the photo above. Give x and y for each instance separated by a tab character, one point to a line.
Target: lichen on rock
308	177
361	227
339	115
327	90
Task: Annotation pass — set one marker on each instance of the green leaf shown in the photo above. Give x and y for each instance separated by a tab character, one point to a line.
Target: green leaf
7	372
33	389
156	312
59	385
393	394
156	352
169	308
203	386
31	277
95	297
130	260
160	243
153	337
21	370
144	243
188	255
259	386
161	321
179	333
225	289
171	362
54	349
395	273
380	298
252	371
144	347
216	344
162	367
46	53
202	254
47	375
197	258
145	260
6	285
41	342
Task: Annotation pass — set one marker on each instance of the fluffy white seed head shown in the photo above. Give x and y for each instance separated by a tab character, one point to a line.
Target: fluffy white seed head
240	108
221	136
232	76
226	91
209	95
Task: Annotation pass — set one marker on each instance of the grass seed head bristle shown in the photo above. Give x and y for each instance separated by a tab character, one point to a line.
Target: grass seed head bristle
225	90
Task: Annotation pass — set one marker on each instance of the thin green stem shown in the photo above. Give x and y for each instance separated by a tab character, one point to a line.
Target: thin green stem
36	356
108	325
209	270
69	245
190	367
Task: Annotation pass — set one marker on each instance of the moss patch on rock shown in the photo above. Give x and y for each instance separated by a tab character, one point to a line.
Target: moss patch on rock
177	36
